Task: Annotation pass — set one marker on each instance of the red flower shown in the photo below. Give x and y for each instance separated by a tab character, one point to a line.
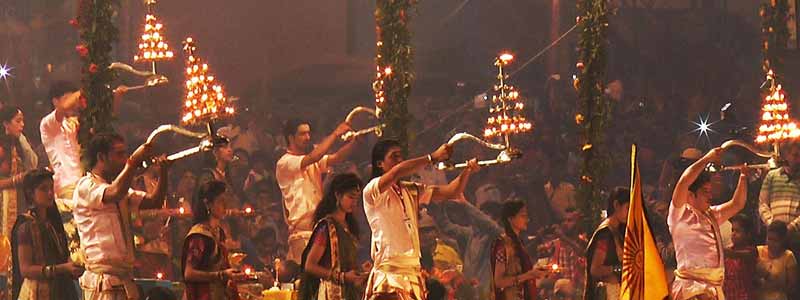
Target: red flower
74	23
82	50
92	68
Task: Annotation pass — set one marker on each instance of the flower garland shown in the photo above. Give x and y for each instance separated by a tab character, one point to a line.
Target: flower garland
394	63
595	111
97	34
775	33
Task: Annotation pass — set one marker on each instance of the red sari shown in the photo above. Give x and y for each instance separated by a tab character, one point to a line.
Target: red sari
203	249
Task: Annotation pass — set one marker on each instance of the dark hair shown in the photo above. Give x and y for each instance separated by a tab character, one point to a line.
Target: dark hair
59	88
210	159
30	182
379	152
619	195
340	184
510	209
290	128
101	144
779	228
703	178
746	224
493	208
206	194
8	112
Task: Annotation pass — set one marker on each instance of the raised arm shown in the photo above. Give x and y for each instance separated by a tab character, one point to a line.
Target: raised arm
155	199
478	218
118	92
737	203
681	192
118	189
408	167
318	152
455	188
343	153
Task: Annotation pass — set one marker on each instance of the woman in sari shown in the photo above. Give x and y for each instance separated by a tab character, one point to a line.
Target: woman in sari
514	277
16	157
41	266
604	253
331	271
206	270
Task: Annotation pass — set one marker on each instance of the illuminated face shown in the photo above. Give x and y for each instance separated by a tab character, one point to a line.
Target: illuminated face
393	157
43	194
704	193
116	158
15	126
302	138
621	212
217	207
793	156
520	220
348	201
224	153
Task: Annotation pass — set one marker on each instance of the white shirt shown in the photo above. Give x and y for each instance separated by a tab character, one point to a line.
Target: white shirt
302	191
99	224
395	228
60	140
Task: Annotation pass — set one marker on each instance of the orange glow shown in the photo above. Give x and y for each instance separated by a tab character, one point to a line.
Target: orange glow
152	46
776	125
205	100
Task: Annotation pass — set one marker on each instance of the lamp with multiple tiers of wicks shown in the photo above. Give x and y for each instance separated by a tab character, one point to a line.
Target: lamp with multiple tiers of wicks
153	46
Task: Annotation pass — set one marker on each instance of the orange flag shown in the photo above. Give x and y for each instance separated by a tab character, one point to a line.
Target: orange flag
643	275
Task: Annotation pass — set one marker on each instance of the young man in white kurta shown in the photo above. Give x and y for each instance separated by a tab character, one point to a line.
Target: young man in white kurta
392	207
299	175
104	202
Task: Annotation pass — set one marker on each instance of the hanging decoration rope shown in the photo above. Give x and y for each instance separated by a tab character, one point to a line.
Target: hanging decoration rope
595	108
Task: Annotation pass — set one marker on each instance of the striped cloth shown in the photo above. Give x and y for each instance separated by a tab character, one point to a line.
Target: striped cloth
780	199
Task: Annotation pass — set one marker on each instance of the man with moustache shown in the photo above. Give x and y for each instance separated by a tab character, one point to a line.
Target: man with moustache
299	174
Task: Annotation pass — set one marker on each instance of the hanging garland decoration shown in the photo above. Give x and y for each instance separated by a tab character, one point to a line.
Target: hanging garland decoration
775	34
595	110
97	35
394	62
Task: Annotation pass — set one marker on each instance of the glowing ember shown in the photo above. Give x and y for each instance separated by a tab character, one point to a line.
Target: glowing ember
160	276
248	210
554	267
181	210
248	271
506	57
